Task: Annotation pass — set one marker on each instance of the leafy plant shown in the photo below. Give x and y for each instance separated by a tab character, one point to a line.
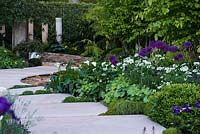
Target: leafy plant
65	81
172	131
24	48
121	88
162	103
125	107
72	99
21	86
10	60
27	93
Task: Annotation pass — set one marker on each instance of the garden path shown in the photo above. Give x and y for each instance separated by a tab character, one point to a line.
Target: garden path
51	116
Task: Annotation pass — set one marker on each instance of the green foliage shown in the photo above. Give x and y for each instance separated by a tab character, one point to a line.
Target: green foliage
121	88
173	20
65	81
27	93
8	126
118	19
36	92
20	10
10	60
176	95
172	131
125	107
24	48
35	62
21	86
72	99
42	92
92	51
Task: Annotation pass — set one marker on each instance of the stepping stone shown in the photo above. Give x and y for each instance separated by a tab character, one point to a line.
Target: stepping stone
132	124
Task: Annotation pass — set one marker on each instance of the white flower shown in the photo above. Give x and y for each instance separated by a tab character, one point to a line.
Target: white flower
87	62
146	62
1	117
159	68
184	69
196	63
94	64
105	69
158	55
103	63
136	55
195	70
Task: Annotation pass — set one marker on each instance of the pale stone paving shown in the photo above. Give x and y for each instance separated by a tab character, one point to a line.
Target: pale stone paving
51	116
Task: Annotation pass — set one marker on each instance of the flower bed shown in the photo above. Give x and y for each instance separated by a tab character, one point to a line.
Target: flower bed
139	79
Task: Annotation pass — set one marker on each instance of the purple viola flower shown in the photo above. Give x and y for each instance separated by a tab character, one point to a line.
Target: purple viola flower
187	44
176	110
159	44
113	59
197	105
187	108
178	57
5	106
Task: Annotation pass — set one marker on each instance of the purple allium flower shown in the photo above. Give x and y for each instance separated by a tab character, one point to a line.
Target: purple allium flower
113	59
187	108
145	51
5	106
197	105
172	49
159	44
187	44
178	57
152	44
176	109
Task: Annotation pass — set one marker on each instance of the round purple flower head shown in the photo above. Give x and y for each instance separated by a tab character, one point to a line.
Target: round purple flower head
178	57
113	59
172	49
159	44
187	44
5	106
145	51
187	108
152	44
176	110
197	105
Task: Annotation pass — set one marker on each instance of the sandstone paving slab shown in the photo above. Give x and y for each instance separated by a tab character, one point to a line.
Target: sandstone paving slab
130	124
11	77
60	110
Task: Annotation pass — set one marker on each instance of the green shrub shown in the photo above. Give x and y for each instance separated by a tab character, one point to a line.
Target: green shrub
10	60
121	88
72	99
42	92
21	86
35	62
176	95
24	48
27	93
172	131
65	81
125	107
